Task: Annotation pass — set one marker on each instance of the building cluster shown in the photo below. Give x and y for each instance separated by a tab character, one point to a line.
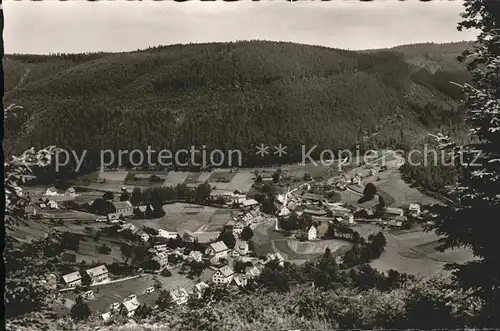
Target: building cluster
97	275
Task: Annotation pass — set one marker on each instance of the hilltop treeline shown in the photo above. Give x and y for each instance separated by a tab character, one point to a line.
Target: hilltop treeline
226	96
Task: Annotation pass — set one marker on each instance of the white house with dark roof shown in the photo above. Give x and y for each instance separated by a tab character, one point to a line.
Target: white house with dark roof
414	209
391	212
124	208
167	234
239	281
251	272
217	250
98	274
196	256
73	279
199	289
223	275
130	306
162	259
275	257
70	192
241	247
179	296
51	191
250	203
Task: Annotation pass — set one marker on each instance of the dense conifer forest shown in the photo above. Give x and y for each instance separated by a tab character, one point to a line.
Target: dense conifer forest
232	96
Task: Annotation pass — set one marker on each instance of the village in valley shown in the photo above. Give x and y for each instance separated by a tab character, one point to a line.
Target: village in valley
140	238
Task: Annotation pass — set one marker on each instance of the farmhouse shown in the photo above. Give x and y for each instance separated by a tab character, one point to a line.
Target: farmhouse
242	247
167	234
161	258
266	177
315	212
414	210
70	192
51	191
52	204
312	197
179	296
217	250
189	236
223	275
238	227
141	234
129	307
239	280
250	203
199	288
73	279
160	248
393	212
124	208
196	256
275	257
113	218
98	274
311	233
251	272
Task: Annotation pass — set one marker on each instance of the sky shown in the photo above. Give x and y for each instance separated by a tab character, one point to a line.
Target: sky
44	27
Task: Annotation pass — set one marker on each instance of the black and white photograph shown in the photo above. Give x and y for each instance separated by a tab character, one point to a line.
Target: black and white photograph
251	165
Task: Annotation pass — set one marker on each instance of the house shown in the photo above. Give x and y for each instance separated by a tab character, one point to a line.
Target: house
73	279
106	316
250	203
113	218
98	274
189	236
217	250
275	257
241	247
167	234
266	177
161	258
196	256
128	226
284	211
312	197
124	208
179	296
143	235
239	281
238	227
315	212
251	272
391	212
160	248
70	192
344	214
29	211
199	289
129	307
311	233
52	204
223	275
51	191
414	210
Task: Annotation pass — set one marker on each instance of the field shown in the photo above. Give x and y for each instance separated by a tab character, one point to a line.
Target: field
184	216
107	294
414	252
113	176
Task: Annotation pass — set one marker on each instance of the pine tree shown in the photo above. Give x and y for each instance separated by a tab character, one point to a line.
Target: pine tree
474	222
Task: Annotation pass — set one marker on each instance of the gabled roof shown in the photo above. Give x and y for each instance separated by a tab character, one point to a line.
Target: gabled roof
218	246
97	271
74	276
131	305
394	211
52	188
250	202
239	280
178	294
71	190
200	286
195	253
226	271
122	204
414	206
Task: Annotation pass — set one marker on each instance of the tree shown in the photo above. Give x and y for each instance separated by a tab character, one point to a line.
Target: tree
127	252
239	266
125	196
228	238
104	249
109	196
247	233
143	311
470	221
203	192
164	300
307	177
196	268
137	196
166	273
370	190
80	310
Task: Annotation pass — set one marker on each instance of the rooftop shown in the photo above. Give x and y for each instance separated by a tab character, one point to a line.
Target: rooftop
97	271
74	276
218	246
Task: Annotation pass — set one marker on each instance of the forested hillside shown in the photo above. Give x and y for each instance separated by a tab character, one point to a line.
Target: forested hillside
227	96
